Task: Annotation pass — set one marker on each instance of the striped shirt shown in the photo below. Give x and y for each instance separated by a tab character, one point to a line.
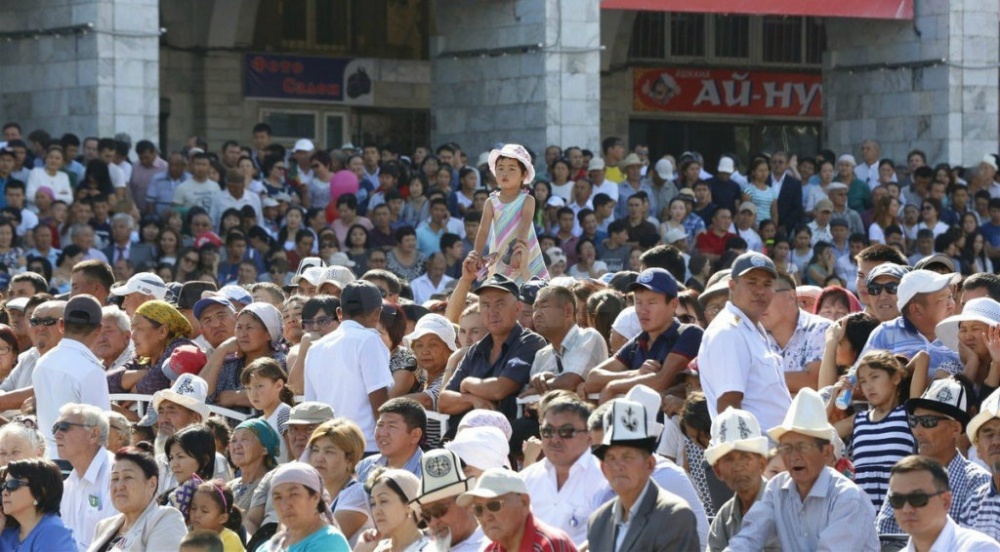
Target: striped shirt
987	499
876	447
964	477
366	466
900	337
539	537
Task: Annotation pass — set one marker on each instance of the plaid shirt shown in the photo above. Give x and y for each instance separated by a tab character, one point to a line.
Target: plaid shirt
987	500
964	479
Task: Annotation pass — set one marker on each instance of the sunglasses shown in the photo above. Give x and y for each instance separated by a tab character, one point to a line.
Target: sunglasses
65	426
889	287
47	322
12	485
438	512
564	432
927	421
918	499
479	510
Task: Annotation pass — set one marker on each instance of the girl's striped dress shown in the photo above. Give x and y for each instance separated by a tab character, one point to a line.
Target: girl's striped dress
506	217
876	447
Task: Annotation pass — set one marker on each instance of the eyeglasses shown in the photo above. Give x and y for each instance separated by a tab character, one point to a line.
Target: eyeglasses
317	322
479	510
47	322
918	499
890	287
927	421
65	426
800	448
12	485
566	432
437	512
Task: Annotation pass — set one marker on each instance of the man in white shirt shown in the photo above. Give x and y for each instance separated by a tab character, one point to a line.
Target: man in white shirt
918	490
348	369
235	196
432	282
565	485
71	373
81	435
867	170
199	190
744	224
45	334
596	172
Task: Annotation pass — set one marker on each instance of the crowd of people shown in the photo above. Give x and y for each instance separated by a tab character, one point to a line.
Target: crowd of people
368	349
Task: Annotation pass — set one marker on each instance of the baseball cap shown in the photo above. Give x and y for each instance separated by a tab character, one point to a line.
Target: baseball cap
687	194
83	309
191	293
726	165
18	304
360	296
839	222
529	290
310	412
303	144
205	302
656	279
237	294
337	275
937	258
665	169
630	160
268	202
555	201
748	206
824	205
596	164
437	325
752	260
498	281
922	281
674	234
207	238
144	282
492	483
887	269
185	359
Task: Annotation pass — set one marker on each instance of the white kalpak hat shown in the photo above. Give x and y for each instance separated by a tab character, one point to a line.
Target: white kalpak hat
735	429
189	391
442	477
651	401
627	424
807	416
513	151
982	309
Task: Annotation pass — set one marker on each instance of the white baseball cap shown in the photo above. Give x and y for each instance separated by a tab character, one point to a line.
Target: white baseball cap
726	165
492	483
337	275
664	169
146	283
304	144
922	281
437	325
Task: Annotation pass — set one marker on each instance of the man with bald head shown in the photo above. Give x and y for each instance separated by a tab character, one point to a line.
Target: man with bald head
46	331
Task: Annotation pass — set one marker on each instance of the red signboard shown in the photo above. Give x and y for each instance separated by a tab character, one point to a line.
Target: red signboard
860	9
727	92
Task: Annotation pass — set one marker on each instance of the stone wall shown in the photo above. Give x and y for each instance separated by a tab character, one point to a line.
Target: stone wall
525	71
97	82
930	83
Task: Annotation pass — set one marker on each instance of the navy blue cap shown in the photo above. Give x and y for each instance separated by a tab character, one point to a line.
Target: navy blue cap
656	279
206	302
752	260
530	289
498	281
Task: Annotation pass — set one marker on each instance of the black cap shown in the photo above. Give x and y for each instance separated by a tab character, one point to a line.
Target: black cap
529	290
360	296
191	292
83	309
498	281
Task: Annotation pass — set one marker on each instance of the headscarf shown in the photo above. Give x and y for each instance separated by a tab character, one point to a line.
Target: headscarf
268	439
165	314
269	316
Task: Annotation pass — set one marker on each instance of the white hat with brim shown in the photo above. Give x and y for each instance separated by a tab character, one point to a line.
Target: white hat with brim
313	275
437	325
834	186
806	416
482	447
732	430
982	309
513	151
987	411
714	289
493	483
341	259
441	477
18	304
989	159
922	281
337	275
189	391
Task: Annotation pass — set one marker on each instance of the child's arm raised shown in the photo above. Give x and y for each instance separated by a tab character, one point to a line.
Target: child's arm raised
484	230
523	230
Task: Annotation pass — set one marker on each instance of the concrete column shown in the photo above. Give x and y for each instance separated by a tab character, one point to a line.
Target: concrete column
526	71
930	83
94	81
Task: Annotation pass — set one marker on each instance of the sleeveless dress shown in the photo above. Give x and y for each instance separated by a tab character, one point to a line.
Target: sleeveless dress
876	447
506	217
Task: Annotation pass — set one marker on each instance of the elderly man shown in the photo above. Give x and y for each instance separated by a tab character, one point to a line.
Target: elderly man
938	419
497	367
93	278
432	282
642	515
81	436
141	255
216	317
45	331
797	336
562	485
82	235
737	365
181	406
867	170
918	487
501	503
70	372
140	288
655	356
442	481
984	432
924	299
738	456
114	343
810	506
401	427
189	294
572	351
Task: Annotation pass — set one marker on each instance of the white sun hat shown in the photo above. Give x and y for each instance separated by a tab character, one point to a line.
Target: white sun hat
982	309
807	416
513	151
735	429
987	411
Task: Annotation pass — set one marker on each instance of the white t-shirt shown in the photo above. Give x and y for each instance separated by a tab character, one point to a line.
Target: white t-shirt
278	421
193	193
58	183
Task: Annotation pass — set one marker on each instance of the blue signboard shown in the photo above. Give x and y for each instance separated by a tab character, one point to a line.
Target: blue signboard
283	77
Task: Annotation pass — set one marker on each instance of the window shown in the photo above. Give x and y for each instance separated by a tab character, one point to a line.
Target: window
732	36
782	39
315	24
687	34
335	130
290	125
648	36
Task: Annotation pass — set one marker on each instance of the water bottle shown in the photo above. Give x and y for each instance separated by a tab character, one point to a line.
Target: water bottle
844	400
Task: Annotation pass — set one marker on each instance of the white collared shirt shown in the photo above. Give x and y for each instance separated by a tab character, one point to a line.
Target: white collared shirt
87	500
570	507
423	288
581	350
69	373
954	537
